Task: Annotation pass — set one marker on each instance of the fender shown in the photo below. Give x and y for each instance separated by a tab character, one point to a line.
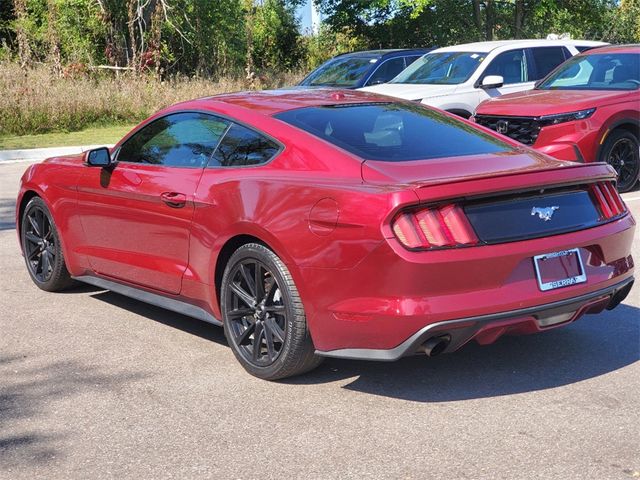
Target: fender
609	126
55	180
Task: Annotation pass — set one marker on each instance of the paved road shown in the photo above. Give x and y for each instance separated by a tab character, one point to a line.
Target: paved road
94	385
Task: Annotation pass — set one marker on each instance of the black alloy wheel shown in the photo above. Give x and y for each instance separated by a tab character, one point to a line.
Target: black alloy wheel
263	315
256	313
41	248
622	152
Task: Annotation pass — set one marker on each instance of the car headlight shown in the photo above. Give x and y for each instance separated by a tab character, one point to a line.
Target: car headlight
566	117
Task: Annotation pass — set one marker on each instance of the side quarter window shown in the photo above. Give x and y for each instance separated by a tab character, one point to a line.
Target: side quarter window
241	147
178	140
511	65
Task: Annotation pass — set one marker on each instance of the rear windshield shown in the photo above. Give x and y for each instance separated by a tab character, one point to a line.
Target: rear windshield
393	132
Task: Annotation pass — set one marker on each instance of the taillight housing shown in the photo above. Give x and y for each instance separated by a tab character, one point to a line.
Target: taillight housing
608	200
444	226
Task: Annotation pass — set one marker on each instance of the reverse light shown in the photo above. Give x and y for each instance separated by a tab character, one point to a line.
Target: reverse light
566	117
440	227
608	200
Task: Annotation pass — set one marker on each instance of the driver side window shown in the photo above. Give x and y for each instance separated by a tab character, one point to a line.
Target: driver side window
178	140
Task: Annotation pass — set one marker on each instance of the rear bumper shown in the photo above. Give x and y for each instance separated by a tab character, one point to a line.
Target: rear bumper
488	328
393	293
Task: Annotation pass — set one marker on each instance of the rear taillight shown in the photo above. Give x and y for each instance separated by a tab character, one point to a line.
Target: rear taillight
439	227
608	200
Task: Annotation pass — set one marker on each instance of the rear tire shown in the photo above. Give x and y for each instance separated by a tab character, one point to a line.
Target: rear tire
42	248
264	319
621	150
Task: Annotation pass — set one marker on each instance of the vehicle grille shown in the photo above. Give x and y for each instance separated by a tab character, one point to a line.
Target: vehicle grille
521	129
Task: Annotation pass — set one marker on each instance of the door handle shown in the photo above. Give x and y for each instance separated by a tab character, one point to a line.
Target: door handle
174	199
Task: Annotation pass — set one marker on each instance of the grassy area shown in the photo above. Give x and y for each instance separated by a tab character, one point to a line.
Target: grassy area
90	136
35	101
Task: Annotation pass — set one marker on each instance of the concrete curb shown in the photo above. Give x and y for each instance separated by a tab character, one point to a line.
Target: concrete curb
42	153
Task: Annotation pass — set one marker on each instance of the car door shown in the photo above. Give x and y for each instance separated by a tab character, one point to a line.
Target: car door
512	66
137	216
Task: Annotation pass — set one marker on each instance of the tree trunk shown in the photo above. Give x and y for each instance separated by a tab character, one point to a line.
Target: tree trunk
490	21
52	38
477	17
250	74
132	12
518	18
24	50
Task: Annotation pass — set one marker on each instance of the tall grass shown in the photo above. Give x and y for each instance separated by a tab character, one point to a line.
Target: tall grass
36	101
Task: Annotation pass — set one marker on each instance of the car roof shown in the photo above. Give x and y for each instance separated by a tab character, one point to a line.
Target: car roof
631	48
489	46
384	52
271	102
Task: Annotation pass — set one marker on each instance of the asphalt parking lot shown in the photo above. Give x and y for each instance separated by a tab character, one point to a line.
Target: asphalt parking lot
95	385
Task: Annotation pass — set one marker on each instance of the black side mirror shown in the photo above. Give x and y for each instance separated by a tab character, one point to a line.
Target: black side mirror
99	157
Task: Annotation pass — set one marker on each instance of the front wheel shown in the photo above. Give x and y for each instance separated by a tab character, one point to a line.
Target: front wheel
622	151
264	319
42	249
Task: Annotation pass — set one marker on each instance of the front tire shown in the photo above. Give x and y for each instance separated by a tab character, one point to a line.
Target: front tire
264	319
622	151
42	248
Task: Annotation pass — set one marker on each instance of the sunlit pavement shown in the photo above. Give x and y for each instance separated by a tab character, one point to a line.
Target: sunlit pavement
94	385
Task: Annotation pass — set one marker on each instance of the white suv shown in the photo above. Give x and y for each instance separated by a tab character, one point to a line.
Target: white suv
458	78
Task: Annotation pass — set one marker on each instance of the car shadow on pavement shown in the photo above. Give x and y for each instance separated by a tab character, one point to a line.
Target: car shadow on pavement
31	387
166	317
594	345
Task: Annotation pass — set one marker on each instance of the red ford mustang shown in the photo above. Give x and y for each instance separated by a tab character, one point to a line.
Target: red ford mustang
328	223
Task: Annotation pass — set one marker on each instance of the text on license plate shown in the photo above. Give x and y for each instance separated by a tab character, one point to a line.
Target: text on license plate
559	269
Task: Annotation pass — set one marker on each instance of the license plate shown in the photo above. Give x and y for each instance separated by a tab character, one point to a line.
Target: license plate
559	269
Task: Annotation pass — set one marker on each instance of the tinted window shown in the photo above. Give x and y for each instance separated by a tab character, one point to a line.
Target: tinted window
392	131
511	66
443	68
612	71
340	72
178	140
241	147
583	49
409	60
386	71
546	59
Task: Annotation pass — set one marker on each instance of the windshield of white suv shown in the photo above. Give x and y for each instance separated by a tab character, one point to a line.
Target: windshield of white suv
444	68
606	71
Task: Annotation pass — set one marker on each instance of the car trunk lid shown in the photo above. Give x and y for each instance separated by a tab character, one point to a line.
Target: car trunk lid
540	197
419	174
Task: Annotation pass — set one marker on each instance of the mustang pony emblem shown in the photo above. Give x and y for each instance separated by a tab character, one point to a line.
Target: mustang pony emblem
544	213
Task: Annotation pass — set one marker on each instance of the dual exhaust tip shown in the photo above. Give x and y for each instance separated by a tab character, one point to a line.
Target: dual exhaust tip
435	345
